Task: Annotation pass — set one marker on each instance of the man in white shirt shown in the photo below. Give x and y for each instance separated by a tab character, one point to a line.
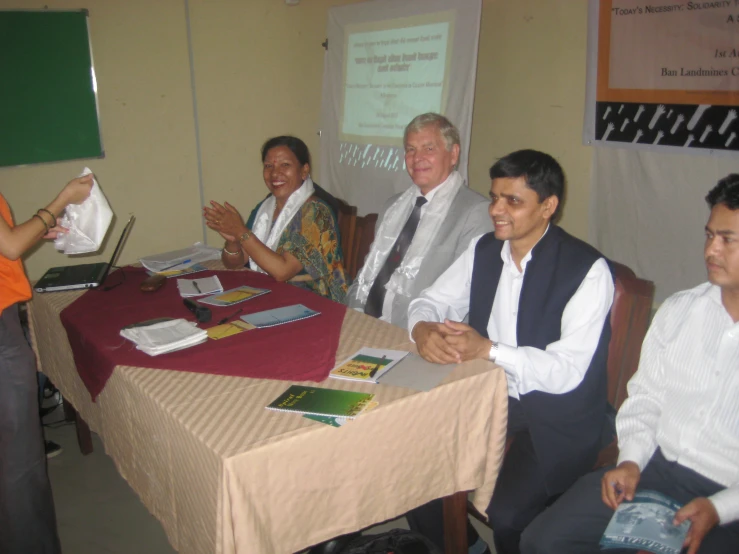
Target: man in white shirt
538	301
423	230
678	431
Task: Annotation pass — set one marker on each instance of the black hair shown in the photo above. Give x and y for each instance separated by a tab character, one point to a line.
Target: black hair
725	192
295	145
542	173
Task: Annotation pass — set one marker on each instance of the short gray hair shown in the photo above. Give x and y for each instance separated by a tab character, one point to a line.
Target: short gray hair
445	127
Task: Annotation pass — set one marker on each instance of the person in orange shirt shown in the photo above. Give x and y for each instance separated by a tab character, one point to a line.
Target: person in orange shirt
27	518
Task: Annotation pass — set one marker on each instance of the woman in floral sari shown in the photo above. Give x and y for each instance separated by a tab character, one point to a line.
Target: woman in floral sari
292	235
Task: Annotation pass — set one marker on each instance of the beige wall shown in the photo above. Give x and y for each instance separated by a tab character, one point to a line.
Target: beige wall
530	93
141	61
258	67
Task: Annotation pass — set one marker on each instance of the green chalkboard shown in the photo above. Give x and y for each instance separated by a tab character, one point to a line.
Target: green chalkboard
48	101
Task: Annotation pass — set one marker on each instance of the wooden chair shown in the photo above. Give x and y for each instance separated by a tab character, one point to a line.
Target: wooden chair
364	236
632	306
347	224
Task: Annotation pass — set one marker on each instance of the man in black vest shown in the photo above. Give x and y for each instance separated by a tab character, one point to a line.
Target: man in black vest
538	301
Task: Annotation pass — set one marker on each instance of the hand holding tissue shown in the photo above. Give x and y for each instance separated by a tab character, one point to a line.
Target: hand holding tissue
86	223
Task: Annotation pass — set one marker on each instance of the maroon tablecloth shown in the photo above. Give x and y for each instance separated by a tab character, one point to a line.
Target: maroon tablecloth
300	351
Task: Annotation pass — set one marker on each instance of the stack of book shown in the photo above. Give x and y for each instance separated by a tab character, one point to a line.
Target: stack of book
166	336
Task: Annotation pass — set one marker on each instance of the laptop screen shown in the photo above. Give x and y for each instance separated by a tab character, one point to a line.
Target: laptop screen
121	241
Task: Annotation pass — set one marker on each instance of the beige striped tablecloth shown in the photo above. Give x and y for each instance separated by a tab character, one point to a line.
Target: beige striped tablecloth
224	475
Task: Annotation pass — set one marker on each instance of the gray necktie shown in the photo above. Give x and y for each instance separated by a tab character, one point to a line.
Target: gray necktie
376	295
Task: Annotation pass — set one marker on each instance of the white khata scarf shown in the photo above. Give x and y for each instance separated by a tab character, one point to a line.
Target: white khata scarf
261	229
390	228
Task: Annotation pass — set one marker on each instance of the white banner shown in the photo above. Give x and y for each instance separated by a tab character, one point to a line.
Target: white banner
664	75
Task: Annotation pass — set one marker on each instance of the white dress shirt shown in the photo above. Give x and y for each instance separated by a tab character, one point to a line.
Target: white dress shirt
685	396
387	303
559	368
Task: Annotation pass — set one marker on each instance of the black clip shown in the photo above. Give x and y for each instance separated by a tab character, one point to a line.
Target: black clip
202	314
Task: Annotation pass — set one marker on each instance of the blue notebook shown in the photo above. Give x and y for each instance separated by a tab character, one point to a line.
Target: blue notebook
278	316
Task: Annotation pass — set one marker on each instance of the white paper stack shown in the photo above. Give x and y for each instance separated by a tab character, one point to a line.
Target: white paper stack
164	337
180	259
199	287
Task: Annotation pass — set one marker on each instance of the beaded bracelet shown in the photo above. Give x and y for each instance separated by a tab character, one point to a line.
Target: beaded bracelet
231	253
53	217
41	219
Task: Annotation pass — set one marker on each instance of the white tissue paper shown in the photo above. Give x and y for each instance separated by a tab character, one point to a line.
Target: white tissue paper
87	222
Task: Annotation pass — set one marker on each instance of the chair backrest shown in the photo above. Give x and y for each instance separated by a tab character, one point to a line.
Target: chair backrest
364	236
347	225
632	306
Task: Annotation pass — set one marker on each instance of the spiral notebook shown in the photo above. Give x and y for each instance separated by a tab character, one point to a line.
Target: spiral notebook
325	402
368	364
279	316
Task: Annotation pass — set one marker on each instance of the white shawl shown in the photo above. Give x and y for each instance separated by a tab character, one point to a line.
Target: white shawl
263	220
392	224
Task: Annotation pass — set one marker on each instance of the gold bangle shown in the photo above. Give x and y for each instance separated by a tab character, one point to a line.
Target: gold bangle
41	219
53	217
231	253
245	236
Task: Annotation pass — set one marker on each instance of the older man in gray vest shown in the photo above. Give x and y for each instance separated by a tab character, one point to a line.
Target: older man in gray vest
421	231
538	301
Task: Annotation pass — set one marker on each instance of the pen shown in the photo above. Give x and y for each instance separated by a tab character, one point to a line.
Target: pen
378	367
617	488
175	265
225	319
197	288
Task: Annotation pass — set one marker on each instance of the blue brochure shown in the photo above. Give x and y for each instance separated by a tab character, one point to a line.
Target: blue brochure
278	316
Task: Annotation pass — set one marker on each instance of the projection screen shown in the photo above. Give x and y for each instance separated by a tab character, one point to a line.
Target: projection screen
387	62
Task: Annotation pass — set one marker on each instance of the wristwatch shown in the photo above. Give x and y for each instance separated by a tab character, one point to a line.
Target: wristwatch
493	351
245	236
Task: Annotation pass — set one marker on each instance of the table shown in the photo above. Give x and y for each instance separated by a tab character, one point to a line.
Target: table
223	475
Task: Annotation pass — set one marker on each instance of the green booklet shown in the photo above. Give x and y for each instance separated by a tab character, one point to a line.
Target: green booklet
329	402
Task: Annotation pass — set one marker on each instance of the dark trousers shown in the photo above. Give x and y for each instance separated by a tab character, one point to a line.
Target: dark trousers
575	523
520	494
27	518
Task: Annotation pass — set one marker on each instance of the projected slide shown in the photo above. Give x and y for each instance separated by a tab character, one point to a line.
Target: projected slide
388	61
393	72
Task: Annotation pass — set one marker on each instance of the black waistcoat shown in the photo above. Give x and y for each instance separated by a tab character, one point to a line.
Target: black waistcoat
565	428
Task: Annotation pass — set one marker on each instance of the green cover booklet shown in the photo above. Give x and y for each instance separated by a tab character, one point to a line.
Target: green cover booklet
312	400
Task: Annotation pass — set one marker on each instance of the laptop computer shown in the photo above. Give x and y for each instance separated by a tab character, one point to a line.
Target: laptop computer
84	276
